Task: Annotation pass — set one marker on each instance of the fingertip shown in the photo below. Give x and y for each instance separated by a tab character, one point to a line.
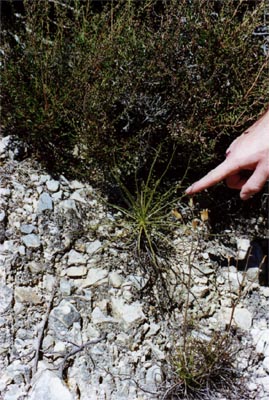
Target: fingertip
244	196
189	189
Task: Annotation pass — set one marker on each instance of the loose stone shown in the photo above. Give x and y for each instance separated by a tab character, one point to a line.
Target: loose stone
6	297
48	386
115	279
27	295
63	317
31	241
27	228
76	272
76	258
53	185
93	247
44	203
96	277
129	314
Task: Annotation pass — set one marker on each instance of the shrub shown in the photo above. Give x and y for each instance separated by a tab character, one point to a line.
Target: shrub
82	83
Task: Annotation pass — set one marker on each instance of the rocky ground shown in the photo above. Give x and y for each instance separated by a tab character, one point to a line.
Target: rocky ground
82	318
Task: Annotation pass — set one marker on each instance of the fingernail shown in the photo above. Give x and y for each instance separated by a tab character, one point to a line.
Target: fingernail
189	189
245	196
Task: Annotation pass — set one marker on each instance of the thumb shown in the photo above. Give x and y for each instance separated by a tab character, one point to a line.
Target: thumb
256	182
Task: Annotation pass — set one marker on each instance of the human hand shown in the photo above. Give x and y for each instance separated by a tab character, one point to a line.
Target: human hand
246	167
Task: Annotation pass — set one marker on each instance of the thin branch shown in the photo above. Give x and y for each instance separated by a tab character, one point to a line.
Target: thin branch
43	326
78	349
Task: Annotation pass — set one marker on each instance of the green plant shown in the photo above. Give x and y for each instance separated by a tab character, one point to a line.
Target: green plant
81	82
148	212
204	367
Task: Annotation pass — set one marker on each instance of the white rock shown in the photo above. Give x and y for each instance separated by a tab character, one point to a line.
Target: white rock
31	241
96	277
5	192
78	197
27	228
200	291
21	250
59	347
153	330
261	339
6	297
129	314
44	178
115	279
93	247
76	185
4	143
68	205
76	258
233	280
98	317
157	353
27	295
62	318
265	291
53	185
2	216
47	342
264	381
44	203
65	287
57	196
242	317
154	375
242	247
265	364
74	272
5	379
48	386
14	392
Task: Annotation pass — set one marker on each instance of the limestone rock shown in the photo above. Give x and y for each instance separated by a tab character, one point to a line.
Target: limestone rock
44	203
76	272
48	386
27	228
129	314
31	241
154	375
62	318
6	297
98	317
96	277
27	295
53	185
93	247
76	258
242	317
242	247
261	339
115	279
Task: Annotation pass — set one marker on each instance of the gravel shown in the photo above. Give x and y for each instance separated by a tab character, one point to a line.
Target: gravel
81	316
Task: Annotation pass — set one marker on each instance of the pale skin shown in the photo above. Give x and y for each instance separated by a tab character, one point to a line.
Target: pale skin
246	166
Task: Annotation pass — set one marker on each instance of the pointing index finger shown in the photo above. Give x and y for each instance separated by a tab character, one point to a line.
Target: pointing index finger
214	176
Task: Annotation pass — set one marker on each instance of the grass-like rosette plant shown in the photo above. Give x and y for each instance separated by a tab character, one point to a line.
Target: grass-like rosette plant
148	212
204	367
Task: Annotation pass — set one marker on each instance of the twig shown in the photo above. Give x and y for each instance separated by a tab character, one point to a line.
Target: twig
78	349
43	326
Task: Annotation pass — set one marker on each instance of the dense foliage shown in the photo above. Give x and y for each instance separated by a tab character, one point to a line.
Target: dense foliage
88	84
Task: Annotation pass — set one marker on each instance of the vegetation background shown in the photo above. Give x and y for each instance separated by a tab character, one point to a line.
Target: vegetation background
90	85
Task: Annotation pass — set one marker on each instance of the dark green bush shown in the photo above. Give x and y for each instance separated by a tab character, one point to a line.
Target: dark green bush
86	84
